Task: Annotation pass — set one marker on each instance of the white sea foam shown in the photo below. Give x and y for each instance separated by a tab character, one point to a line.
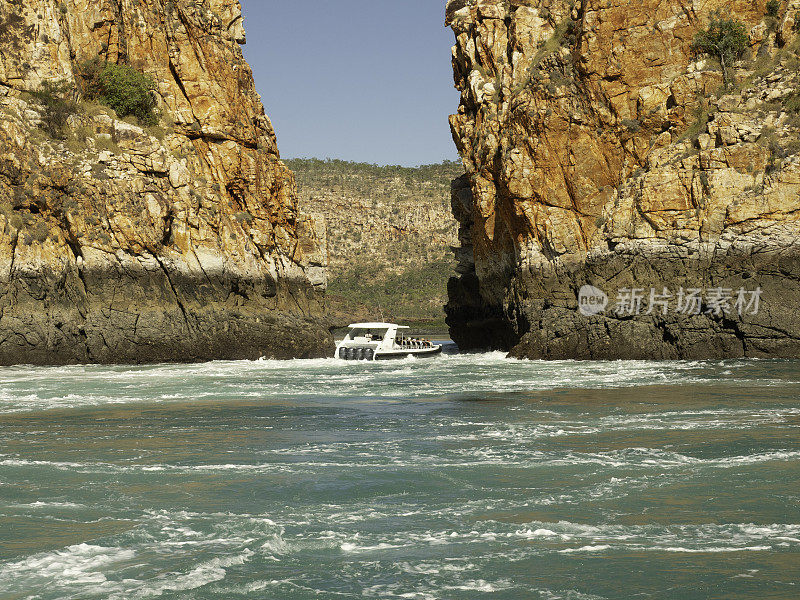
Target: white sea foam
36	389
202	547
80	564
428	568
403	453
565	538
47	505
545	594
481	585
711	549
590	548
16	462
199	576
352	548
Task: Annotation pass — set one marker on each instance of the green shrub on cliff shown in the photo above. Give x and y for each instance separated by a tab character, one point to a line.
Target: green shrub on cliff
792	102
773	6
632	125
725	39
54	98
120	87
703	116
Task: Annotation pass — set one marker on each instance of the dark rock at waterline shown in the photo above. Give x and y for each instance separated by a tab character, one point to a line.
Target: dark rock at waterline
555	327
142	316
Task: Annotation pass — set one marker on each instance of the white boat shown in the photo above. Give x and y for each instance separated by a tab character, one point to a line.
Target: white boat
378	341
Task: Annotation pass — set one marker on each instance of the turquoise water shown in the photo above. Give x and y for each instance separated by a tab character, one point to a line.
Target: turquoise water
458	477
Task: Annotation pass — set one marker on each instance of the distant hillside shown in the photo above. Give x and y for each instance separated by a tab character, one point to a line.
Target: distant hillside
390	230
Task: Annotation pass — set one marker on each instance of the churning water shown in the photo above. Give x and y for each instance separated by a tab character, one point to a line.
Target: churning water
457	477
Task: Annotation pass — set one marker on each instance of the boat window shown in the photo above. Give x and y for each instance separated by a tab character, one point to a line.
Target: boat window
375	335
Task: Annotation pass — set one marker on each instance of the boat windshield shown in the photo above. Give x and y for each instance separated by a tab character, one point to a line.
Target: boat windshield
370	335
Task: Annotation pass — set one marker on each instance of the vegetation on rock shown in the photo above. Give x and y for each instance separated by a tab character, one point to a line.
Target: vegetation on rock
121	87
725	39
57	108
773	6
372	289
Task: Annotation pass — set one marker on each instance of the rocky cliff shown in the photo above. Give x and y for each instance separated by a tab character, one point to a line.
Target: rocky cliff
620	201
120	243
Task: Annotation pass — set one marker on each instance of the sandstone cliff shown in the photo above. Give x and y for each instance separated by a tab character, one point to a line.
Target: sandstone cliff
600	150
127	244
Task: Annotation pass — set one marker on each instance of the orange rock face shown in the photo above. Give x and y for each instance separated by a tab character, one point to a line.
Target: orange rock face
601	150
121	243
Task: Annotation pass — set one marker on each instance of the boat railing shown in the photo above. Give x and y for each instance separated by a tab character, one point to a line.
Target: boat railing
413	343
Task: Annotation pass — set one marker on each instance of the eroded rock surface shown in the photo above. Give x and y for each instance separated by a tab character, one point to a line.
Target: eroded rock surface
127	244
600	151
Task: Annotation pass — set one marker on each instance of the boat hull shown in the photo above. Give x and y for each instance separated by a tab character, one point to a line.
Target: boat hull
416	352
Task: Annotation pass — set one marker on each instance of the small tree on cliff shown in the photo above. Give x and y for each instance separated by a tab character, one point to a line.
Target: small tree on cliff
57	104
121	87
773	7
726	39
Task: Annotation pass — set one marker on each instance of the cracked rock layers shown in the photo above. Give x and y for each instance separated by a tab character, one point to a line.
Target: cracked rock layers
601	152
119	243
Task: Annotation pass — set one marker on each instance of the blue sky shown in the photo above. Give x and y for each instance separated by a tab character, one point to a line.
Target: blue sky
362	80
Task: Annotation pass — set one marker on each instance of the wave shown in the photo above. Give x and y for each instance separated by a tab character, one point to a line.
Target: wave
205	548
81	564
202	548
643	459
540	538
25	389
